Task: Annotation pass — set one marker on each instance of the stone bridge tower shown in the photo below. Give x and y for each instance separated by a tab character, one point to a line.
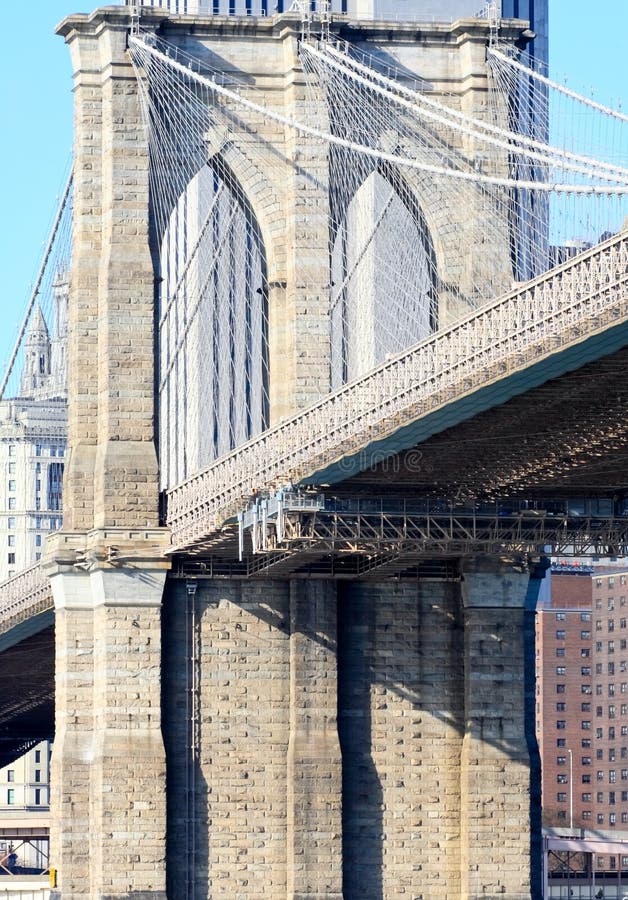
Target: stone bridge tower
261	738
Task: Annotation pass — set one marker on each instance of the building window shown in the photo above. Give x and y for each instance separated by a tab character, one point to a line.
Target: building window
561	742
584	652
598	624
561	797
586	779
10	774
55	486
37	756
600	797
38	540
561	760
37	796
600	775
586	813
611	624
599	754
560	635
611	821
11	502
585	688
585	670
561	707
11	522
585	707
598	582
600	821
11	559
611	668
11	796
611	646
611	798
561	779
599	711
586	760
612	776
585	743
561	670
11	540
585	616
611	712
585	725
611	690
560	688
585	635
586	798
560	617
611	754
611	733
560	651
37	449
561	724
611	582
37	774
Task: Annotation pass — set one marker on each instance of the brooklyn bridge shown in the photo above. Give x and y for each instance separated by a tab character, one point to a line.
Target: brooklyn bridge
348	326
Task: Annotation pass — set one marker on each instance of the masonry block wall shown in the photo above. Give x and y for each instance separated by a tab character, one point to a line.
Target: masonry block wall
356	740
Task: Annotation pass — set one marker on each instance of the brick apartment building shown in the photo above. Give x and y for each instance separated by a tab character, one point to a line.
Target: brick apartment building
582	697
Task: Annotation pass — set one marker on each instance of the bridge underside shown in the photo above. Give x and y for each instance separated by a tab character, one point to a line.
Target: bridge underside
26	694
564	439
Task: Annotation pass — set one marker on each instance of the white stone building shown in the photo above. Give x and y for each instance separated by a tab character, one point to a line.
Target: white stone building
33	429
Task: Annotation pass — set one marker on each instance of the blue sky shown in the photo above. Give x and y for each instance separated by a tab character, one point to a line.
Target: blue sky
588	46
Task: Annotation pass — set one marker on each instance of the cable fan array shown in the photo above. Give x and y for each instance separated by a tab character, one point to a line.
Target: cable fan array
429	211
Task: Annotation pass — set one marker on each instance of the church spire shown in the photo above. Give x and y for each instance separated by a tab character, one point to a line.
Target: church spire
36	368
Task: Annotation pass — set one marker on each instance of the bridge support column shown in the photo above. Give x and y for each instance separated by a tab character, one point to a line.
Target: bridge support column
70	767
314	762
108	810
499	767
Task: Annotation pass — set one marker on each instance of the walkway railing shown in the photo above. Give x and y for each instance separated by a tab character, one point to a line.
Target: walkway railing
24	596
580	298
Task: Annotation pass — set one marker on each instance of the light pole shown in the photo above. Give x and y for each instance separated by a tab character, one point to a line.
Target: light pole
570	790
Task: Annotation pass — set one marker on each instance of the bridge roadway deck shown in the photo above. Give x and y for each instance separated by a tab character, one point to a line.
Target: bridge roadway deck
525	398
558	326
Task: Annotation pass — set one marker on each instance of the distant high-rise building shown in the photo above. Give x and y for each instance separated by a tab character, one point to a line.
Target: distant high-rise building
582	697
33	434
33	430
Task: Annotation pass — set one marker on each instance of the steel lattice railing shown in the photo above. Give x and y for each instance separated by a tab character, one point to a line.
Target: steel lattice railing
578	299
23	596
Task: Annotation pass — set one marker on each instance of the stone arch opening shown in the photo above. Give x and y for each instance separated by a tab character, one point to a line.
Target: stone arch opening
213	325
384	294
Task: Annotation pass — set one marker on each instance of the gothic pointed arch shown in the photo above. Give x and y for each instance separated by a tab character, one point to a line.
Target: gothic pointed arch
384	274
213	324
